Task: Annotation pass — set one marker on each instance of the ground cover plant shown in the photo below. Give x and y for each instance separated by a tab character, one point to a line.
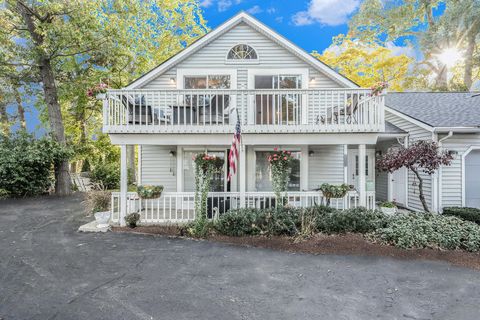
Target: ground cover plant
466	213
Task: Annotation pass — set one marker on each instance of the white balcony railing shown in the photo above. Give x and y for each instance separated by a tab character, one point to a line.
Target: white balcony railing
192	111
178	207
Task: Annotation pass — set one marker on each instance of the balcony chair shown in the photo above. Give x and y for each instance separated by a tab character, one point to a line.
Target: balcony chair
138	112
333	113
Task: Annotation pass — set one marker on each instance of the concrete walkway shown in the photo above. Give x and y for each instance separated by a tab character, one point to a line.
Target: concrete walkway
50	271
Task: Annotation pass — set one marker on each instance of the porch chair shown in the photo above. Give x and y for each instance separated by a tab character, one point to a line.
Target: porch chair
350	111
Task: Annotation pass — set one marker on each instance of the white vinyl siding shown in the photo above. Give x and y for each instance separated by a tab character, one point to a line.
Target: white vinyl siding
159	167
452	175
325	165
415	133
271	55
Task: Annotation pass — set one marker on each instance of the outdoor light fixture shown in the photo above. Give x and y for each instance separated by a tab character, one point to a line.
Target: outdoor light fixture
310	153
453	152
312	79
172	80
172	153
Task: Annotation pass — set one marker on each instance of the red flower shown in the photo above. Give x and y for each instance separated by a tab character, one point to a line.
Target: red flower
275	149
275	155
284	158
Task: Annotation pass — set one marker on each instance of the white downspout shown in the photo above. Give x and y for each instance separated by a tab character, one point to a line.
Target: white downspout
440	172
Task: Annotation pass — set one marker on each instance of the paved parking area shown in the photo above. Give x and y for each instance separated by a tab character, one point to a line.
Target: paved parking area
50	271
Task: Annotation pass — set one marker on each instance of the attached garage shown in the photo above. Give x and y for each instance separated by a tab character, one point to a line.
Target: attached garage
472	178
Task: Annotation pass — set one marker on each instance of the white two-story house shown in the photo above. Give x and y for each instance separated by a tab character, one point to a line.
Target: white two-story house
282	96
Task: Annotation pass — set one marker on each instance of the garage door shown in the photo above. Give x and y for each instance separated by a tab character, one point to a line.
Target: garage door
472	179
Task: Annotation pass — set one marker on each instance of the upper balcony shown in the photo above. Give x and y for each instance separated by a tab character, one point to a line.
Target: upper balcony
259	111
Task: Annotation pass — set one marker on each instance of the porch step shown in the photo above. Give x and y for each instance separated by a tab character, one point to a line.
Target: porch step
93	227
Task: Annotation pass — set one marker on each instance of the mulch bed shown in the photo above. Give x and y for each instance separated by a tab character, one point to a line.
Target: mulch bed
342	244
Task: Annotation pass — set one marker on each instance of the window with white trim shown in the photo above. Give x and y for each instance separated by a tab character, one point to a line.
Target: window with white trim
242	52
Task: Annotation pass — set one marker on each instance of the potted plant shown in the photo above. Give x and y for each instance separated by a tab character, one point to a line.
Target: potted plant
98	91
388	207
98	203
149	191
330	191
132	219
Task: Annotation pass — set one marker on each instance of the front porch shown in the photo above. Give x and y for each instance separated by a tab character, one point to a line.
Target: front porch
178	207
314	164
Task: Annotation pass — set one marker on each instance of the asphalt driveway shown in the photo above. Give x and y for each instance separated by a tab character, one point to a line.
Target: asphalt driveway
50	271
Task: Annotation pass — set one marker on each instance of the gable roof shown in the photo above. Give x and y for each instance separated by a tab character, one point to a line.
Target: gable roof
438	109
226	26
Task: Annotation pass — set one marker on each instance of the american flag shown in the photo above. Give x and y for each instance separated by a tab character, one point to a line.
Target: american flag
234	150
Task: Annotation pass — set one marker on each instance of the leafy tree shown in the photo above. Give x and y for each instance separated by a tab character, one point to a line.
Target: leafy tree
64	47
367	63
422	156
456	28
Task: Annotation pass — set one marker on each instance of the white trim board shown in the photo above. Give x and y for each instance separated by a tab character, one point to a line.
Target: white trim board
181	73
260	27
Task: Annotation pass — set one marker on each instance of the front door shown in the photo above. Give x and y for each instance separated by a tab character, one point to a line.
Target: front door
398	186
353	169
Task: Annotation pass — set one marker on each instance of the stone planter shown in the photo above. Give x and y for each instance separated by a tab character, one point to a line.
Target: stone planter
102	219
388	211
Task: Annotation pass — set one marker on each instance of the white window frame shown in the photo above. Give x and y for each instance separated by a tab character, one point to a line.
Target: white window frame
242	61
253	164
181	73
303	72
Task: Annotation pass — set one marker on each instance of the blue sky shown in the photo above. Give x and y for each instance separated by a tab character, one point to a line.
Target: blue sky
309	24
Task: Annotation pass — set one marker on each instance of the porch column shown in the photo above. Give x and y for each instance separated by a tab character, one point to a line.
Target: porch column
242	174
362	195
123	184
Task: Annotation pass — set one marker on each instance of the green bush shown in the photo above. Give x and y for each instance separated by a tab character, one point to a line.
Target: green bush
429	230
466	213
357	220
106	174
298	222
26	163
241	222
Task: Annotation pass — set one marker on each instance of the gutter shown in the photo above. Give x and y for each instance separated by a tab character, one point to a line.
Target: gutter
456	129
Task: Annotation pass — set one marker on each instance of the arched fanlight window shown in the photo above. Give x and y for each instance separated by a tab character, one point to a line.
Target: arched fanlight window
242	52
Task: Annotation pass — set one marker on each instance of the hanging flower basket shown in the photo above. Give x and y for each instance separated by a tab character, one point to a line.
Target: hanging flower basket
280	163
149	192
99	91
206	161
377	88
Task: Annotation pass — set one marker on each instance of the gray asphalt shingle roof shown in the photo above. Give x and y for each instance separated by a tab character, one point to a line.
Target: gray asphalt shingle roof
438	109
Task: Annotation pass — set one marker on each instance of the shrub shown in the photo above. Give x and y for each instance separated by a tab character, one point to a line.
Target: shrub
97	201
26	163
107	175
274	222
388	204
132	219
470	214
358	220
4	194
429	230
199	228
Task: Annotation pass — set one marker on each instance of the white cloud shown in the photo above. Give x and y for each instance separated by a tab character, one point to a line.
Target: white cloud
224	5
328	12
206	3
399	50
271	10
279	19
255	9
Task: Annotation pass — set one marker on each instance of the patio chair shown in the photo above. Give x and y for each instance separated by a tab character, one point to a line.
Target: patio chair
333	113
138	112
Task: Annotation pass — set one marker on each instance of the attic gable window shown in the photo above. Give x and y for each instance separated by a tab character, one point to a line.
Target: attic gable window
242	52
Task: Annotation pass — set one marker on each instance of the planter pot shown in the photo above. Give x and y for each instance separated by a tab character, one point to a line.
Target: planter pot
102	218
101	96
154	195
388	211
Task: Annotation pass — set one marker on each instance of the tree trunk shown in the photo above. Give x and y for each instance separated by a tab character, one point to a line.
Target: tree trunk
441	81
467	76
20	109
62	176
420	190
131	162
4	124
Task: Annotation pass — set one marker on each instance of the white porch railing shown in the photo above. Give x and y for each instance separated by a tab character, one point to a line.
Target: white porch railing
178	207
260	111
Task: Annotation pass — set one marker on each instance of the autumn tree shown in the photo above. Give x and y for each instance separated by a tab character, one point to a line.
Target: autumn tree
366	63
421	156
67	46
